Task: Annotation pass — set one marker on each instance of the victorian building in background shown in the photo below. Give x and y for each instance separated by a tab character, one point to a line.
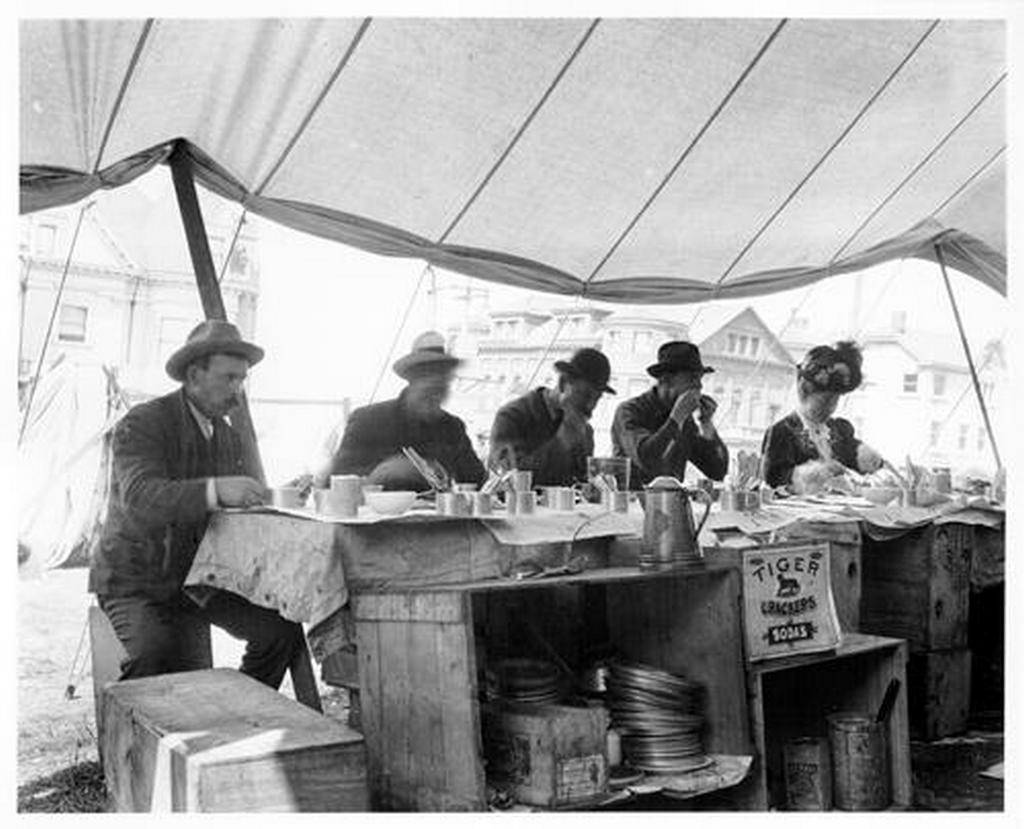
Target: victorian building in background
130	296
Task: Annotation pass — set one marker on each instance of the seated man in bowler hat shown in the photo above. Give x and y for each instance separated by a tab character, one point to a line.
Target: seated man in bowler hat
374	436
548	430
175	461
670	424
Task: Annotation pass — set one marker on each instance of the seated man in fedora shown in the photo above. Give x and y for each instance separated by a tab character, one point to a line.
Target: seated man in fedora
175	461
548	430
669	425
375	435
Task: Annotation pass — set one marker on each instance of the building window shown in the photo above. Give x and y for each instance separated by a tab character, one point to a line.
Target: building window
910	383
46	239
72	322
743	344
755	408
755	344
933	439
732	344
961	441
773	413
735	404
939	384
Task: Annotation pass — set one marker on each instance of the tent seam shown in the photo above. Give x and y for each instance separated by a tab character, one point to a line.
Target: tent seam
308	117
122	91
835	144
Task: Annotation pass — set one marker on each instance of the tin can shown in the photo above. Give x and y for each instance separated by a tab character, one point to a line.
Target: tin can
808	773
943	480
860	769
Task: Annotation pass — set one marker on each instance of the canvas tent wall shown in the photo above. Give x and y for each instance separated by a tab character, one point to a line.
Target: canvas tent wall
654	160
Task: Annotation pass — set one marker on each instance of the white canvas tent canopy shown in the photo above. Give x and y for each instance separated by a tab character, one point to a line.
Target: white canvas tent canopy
654	160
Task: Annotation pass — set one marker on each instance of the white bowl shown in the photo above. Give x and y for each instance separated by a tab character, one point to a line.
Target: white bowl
880	494
390	503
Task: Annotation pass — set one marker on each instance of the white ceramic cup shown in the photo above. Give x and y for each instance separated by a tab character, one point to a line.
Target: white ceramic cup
288	497
481	503
564	499
346	493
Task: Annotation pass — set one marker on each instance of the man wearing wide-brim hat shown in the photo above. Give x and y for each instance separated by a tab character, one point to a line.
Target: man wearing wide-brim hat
547	430
176	460
670	424
375	435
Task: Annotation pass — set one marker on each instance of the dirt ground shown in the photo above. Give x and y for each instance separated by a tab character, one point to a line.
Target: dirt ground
57	762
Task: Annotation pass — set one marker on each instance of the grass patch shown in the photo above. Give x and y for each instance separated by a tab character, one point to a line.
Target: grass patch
78	788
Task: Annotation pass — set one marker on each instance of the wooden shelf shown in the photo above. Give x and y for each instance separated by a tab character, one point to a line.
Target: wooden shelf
853	644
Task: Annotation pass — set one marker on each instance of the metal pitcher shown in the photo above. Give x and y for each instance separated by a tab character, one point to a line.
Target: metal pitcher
670	537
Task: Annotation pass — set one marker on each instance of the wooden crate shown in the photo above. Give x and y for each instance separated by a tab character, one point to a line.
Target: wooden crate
791	698
419	652
917	587
940	692
219	741
551	755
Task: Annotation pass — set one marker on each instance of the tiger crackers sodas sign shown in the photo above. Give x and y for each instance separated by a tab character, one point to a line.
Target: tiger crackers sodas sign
787	598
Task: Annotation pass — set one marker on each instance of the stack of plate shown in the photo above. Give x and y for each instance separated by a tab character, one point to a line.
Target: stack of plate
659	716
524	681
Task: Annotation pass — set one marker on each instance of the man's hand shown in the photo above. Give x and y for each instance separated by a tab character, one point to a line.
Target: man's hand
573	428
686	404
304	482
240	491
708	407
868	459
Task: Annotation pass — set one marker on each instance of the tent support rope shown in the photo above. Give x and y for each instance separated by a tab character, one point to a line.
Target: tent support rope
398	333
231	247
49	327
967	353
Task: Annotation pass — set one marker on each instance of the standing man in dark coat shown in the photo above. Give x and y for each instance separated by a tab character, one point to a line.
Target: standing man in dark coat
375	435
547	430
175	461
670	425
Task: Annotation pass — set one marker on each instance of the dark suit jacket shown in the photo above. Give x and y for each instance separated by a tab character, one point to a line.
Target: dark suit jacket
786	445
157	510
526	425
655	445
376	432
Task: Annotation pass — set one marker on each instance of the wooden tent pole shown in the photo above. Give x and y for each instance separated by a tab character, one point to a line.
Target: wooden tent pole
206	279
970	360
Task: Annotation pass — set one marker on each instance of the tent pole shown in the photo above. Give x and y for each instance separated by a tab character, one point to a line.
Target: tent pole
206	280
970	360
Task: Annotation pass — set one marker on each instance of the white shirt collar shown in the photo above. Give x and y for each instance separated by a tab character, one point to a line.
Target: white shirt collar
205	424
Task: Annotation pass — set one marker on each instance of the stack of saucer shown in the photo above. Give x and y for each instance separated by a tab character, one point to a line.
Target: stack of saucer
524	681
660	718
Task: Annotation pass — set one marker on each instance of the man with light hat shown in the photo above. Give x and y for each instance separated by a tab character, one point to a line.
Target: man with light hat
175	460
546	430
670	424
375	435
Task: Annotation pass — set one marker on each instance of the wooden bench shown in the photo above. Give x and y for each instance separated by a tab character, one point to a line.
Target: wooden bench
219	741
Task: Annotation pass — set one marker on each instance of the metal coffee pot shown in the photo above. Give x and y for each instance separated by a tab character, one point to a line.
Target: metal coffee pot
670	537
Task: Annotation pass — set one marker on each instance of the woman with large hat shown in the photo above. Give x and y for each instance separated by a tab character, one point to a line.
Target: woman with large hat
809	446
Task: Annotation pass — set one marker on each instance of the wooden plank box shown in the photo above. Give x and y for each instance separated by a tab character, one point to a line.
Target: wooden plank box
940	692
550	755
917	587
219	741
